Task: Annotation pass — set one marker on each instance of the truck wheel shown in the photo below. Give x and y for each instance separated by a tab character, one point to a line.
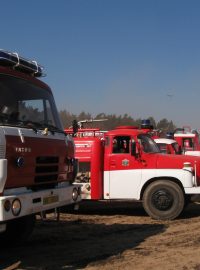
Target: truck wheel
18	230
163	200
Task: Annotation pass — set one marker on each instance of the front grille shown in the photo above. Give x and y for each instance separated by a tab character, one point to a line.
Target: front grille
46	169
47	160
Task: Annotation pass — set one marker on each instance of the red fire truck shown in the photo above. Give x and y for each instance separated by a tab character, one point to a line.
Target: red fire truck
188	140
168	146
37	165
126	164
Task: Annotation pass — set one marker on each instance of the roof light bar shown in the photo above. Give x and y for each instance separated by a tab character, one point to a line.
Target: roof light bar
19	63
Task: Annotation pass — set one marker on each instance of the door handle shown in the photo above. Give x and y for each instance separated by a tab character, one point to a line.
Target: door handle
112	162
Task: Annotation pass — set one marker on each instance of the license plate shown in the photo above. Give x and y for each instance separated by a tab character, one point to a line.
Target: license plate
50	199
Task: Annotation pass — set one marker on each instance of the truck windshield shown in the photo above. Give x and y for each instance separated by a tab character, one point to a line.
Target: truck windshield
148	145
26	104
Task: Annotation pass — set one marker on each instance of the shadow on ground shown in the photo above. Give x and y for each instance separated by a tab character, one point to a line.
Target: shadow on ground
108	208
73	245
130	208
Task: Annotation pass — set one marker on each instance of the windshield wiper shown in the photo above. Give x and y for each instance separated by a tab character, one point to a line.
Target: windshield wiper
37	125
32	125
7	121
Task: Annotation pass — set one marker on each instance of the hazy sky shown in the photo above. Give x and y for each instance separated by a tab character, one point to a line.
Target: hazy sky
140	57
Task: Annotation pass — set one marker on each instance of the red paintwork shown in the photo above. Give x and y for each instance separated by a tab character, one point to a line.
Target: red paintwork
12	72
15	73
34	147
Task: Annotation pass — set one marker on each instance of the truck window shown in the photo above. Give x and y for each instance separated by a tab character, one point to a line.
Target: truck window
121	144
37	110
23	102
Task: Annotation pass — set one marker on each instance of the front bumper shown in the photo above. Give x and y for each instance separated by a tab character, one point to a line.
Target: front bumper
36	202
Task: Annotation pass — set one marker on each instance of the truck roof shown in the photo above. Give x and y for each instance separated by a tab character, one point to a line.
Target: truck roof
185	135
126	130
165	140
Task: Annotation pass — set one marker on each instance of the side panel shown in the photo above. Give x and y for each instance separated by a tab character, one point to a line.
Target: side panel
128	184
89	152
122	184
125	175
97	170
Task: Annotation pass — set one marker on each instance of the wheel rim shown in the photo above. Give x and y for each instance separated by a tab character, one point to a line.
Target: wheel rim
162	200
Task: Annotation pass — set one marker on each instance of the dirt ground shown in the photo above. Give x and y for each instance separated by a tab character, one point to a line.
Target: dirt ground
109	236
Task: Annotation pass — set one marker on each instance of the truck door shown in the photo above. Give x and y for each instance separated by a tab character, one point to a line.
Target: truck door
124	170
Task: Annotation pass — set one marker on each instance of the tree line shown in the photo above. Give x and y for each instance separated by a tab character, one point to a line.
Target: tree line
110	121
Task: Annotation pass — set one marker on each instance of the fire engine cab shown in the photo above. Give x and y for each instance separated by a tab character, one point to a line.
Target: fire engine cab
126	164
37	165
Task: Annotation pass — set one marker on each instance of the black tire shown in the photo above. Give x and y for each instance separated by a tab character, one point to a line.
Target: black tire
18	230
163	200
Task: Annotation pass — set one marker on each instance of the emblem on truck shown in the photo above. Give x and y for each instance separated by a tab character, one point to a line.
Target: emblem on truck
125	162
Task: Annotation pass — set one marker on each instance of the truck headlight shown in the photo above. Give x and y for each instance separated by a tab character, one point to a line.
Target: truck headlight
7	205
75	194
16	207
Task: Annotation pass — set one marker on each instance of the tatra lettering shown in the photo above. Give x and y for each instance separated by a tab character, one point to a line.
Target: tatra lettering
23	149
